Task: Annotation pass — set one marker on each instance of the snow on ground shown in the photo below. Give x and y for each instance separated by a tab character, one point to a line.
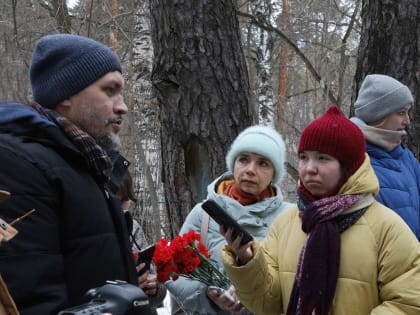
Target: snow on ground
166	309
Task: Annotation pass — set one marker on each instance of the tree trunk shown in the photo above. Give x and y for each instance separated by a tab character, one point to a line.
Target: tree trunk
389	45
113	40
142	145
201	81
284	62
61	15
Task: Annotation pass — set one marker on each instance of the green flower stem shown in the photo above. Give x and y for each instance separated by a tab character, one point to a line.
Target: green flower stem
207	273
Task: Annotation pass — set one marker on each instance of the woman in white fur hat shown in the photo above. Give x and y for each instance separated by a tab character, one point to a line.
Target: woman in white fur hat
251	194
382	113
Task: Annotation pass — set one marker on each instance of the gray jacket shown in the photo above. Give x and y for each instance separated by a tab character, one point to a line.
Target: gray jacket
255	218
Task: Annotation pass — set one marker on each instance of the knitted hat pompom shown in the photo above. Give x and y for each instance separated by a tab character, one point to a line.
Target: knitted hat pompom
64	64
335	135
379	96
262	140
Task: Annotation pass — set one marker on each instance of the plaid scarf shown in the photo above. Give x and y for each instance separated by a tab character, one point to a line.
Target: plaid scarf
97	159
317	270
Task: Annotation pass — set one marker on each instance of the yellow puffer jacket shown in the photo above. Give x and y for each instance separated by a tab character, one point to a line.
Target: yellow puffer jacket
379	269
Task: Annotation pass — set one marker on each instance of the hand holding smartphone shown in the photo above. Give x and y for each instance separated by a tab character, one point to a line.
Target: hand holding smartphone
145	256
224	219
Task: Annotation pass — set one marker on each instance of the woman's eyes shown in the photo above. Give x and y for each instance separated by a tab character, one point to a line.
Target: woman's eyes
319	158
302	158
264	164
246	160
403	113
242	159
324	158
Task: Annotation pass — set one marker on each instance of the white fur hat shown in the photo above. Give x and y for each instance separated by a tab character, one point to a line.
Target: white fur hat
262	140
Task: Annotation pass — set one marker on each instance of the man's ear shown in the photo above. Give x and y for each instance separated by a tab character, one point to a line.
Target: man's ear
63	106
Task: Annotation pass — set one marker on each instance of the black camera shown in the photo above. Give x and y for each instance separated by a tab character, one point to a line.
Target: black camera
115	297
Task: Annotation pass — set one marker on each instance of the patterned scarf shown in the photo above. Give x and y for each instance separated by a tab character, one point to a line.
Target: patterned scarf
317	271
97	160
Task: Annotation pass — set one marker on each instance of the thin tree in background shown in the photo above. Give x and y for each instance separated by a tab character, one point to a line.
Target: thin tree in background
61	14
113	38
284	63
201	81
260	52
143	143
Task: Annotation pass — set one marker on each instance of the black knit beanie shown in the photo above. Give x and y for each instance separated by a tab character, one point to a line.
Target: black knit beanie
63	65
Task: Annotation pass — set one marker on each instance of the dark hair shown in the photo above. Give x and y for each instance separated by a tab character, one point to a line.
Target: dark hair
126	191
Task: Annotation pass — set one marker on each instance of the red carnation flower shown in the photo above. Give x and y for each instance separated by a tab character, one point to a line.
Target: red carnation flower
185	256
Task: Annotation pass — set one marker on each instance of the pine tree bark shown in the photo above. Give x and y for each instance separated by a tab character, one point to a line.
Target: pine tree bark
389	45
201	81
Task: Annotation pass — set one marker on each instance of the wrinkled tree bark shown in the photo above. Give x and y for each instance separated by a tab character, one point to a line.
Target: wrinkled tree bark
389	45
201	81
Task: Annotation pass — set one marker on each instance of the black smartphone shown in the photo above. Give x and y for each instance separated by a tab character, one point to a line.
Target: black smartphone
145	256
224	219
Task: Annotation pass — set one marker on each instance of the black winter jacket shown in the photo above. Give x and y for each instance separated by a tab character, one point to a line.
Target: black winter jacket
77	237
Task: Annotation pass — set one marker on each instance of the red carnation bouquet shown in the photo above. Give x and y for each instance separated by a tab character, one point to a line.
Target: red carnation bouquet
186	256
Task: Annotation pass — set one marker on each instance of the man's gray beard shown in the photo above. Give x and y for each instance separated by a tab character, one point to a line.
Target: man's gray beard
108	142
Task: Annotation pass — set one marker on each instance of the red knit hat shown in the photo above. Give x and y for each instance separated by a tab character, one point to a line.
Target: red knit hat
335	135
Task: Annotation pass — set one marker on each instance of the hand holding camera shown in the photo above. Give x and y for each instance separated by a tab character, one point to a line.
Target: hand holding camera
116	298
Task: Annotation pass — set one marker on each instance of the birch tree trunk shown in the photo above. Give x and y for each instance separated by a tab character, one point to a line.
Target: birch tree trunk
145	146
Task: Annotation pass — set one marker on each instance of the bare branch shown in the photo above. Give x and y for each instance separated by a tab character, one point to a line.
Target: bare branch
261	22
